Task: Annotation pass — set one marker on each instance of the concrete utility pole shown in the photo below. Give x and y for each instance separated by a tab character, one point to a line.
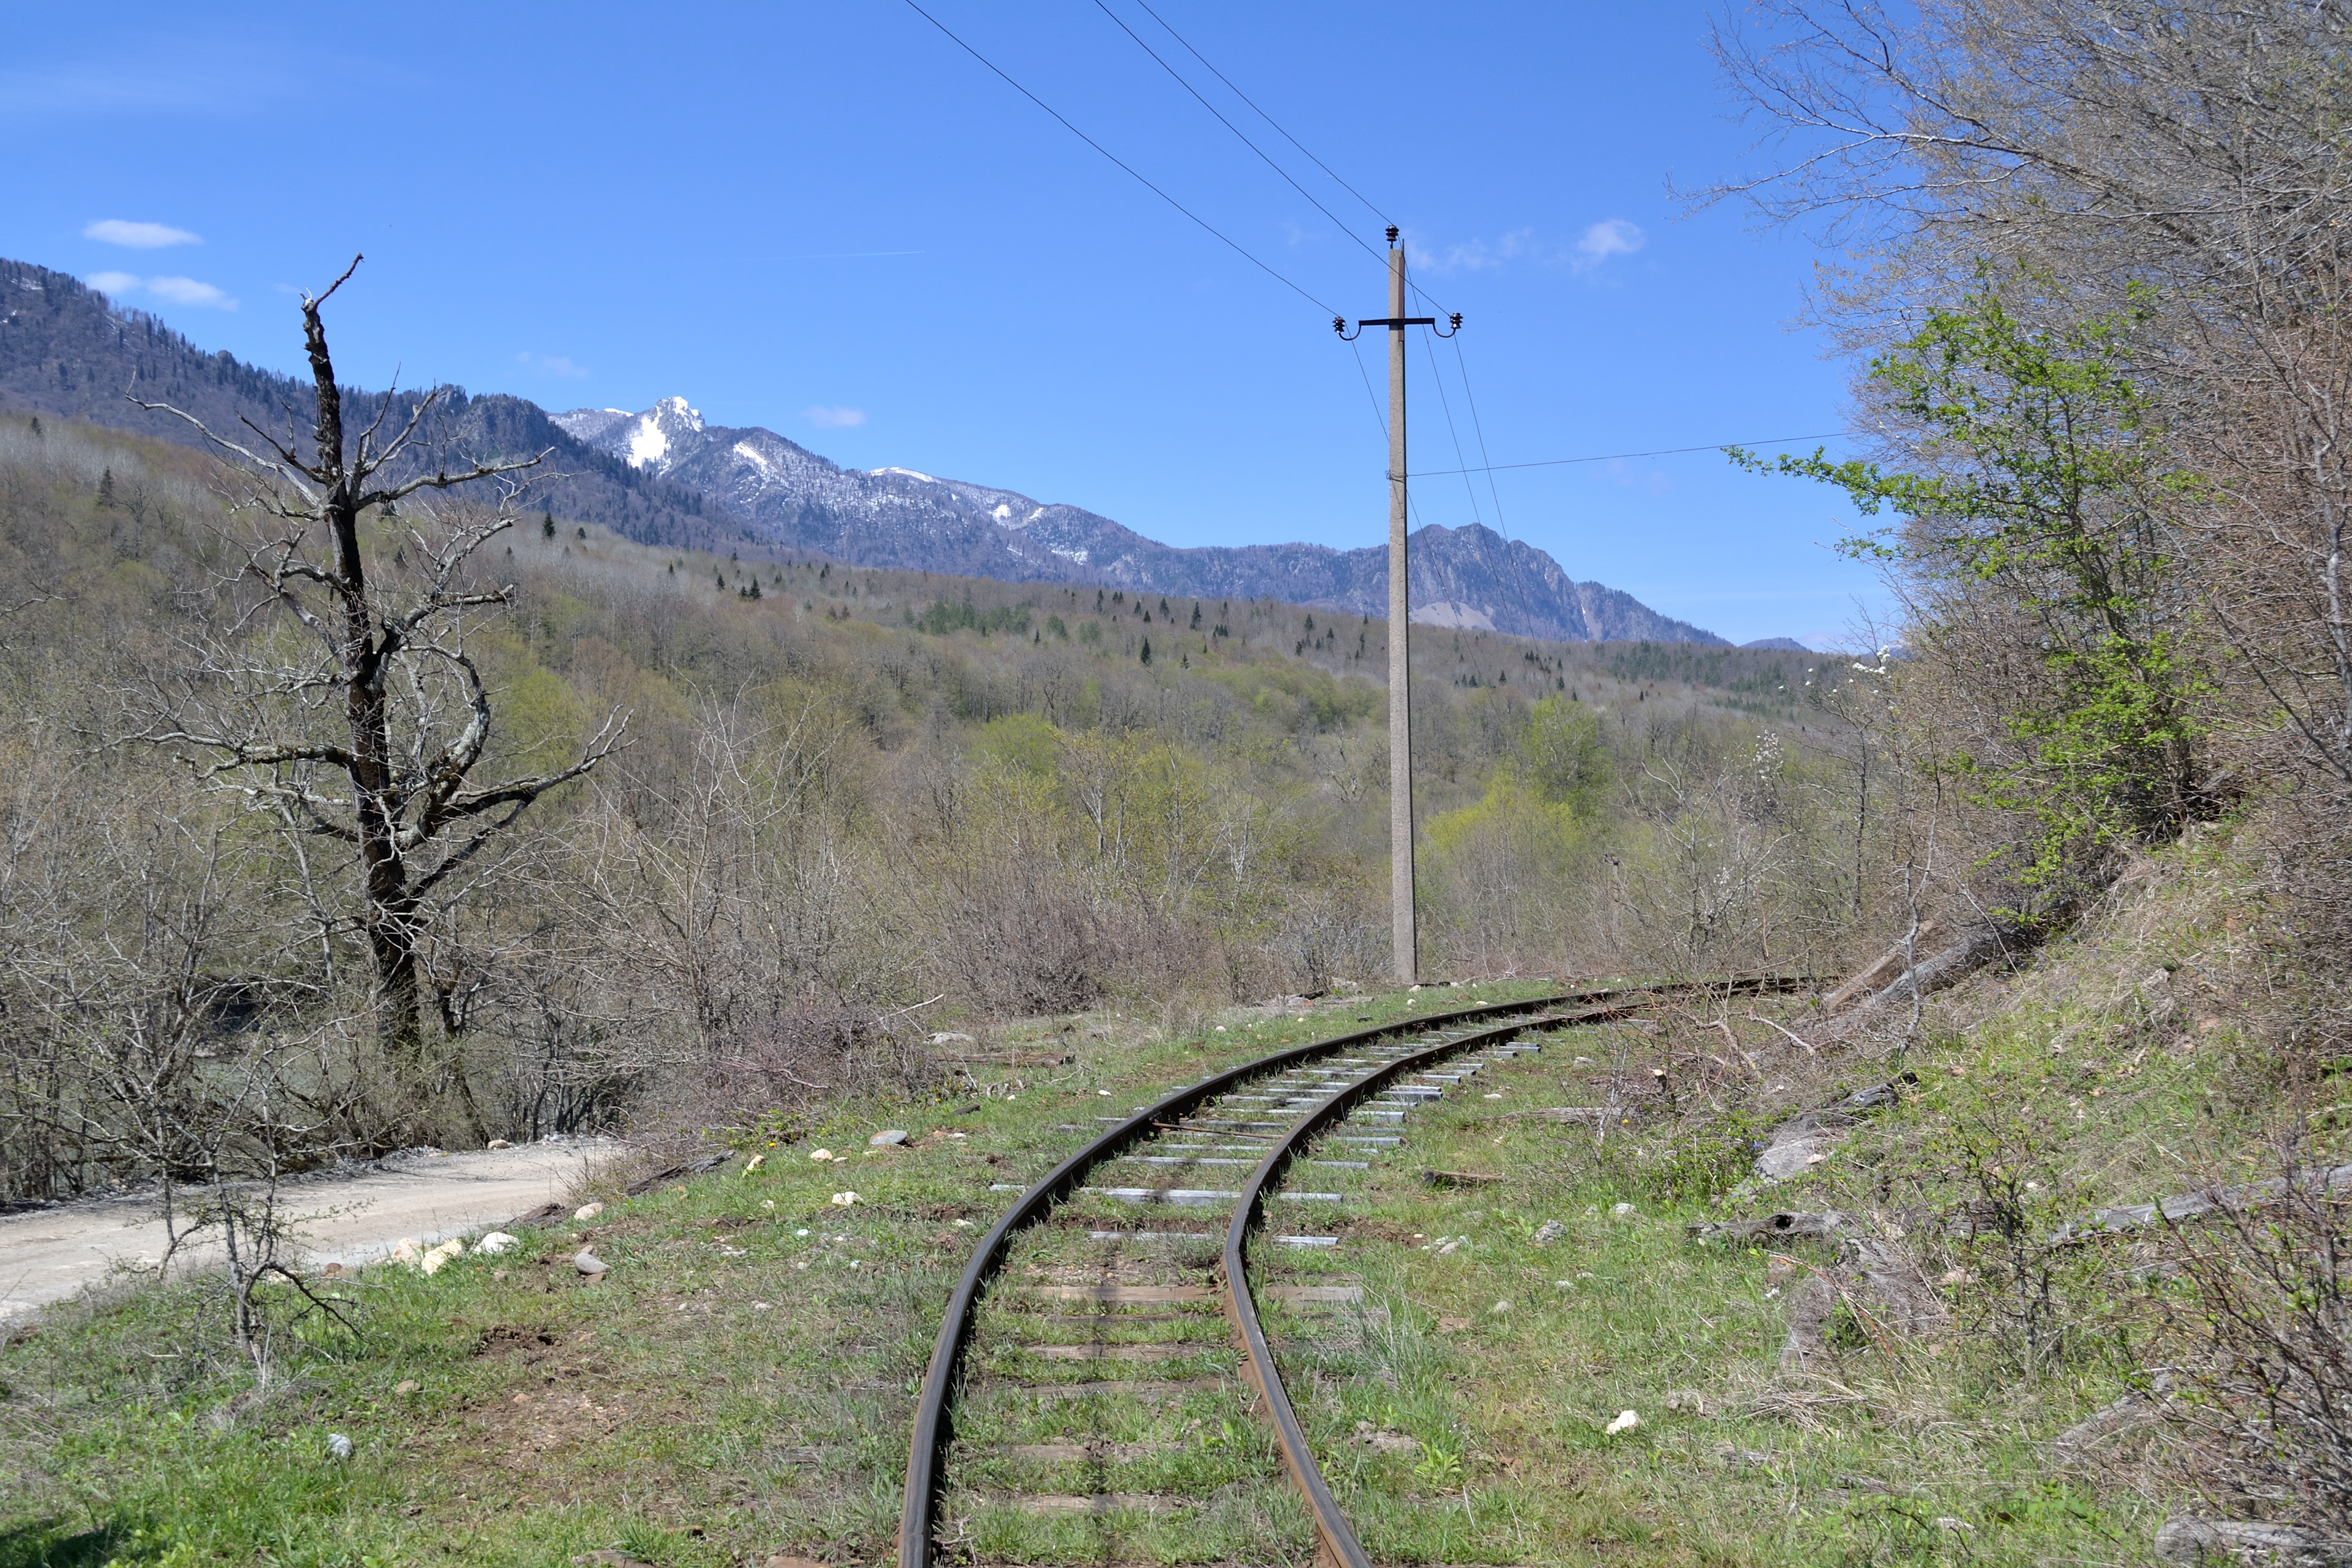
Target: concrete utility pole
1402	931
1403	935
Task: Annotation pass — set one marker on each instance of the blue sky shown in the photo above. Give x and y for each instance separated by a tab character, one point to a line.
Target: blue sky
828	220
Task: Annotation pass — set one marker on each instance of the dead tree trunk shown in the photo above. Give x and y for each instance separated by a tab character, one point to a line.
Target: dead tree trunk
395	786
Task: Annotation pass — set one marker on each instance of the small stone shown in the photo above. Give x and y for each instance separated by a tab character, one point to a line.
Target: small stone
949	1038
754	1163
845	1200
888	1136
1945	1522
1622	1211
1552	1230
820	1156
405	1251
589	1264
339	1446
498	1143
331	1270
405	1385
431	1262
498	1241
1954	1277
587	1212
1687	1399
1625	1421
1499	1308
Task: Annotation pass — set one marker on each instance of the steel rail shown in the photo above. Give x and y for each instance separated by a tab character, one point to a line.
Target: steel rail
1336	1542
933	1430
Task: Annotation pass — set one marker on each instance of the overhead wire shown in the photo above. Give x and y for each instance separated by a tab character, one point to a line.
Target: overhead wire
1336	221
1503	528
1262	114
1616	457
1120	23
1234	244
1412	502
1447	404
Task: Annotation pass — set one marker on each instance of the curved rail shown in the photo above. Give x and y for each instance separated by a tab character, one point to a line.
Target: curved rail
1336	1539
933	1430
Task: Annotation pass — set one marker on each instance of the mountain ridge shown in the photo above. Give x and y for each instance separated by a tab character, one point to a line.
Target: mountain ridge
662	477
1469	577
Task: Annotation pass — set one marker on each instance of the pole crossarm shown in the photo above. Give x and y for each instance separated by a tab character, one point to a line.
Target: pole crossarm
1340	324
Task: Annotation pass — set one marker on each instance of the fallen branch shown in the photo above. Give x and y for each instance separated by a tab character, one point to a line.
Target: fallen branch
1770	1025
2189	1205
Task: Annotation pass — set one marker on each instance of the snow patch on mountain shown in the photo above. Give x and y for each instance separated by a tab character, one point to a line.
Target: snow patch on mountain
1460	617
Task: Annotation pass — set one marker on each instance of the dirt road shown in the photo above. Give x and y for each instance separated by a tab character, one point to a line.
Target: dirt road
345	1217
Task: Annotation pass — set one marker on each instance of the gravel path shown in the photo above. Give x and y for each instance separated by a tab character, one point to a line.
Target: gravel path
346	1216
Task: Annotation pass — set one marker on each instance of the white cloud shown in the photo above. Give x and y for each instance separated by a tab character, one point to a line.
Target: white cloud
833	418
138	235
1610	236
1473	256
553	364
188	291
177	291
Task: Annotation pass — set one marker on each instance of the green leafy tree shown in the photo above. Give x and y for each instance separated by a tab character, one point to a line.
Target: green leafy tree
2034	552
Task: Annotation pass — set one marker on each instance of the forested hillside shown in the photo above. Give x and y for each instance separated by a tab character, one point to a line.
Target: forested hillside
836	792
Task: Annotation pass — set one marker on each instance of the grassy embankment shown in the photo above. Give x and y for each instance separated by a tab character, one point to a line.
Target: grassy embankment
736	1388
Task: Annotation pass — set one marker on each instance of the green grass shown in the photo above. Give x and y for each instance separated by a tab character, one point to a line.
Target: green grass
735	1388
746	1389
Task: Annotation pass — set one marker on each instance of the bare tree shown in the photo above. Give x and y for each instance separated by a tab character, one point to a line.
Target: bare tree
368	724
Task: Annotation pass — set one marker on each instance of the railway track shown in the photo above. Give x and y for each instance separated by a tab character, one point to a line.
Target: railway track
1109	1311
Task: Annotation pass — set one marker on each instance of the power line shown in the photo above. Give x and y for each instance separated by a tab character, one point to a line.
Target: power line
1228	124
1614	457
1481	429
1380	421
1262	114
1234	244
1447	404
1253	146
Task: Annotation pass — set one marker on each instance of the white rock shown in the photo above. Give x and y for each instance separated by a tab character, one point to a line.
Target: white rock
405	1251
845	1200
820	1154
587	1211
884	1139
1626	1421
431	1262
498	1241
339	1446
499	1144
588	1263
1622	1211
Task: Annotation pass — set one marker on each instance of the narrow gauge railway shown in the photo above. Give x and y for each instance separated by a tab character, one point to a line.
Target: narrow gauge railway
1108	1315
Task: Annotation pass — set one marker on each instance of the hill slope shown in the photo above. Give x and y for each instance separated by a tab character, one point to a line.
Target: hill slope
64	351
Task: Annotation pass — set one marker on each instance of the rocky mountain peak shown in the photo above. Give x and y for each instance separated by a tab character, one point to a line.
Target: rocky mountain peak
652	440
